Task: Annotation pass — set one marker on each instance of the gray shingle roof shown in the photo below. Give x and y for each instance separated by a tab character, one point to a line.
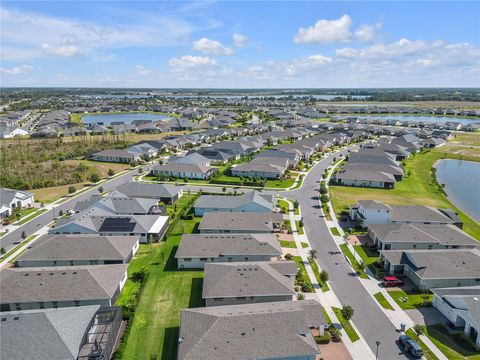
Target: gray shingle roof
7	195
144	190
233	202
253	331
423	233
240	221
52	334
213	245
80	247
18	285
413	213
438	264
237	279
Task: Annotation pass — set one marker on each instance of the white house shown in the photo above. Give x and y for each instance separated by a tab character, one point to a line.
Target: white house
461	306
11	199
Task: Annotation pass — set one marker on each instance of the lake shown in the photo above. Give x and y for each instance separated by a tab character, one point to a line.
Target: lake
462	184
417	118
124	117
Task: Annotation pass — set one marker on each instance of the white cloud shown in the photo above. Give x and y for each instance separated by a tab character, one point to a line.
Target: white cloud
62	50
334	31
239	40
189	61
29	32
16	70
325	31
211	47
143	71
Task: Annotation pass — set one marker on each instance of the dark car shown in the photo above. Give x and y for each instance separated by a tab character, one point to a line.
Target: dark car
411	346
391	281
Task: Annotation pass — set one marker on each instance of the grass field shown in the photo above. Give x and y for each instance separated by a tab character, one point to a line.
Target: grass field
154	331
352	334
428	354
382	301
449	346
409	300
288	244
418	188
335	231
283	205
299	228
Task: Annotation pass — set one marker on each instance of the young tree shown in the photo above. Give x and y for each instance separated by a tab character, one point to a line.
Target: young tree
2	251
24	235
71	189
94	178
224	189
100	189
347	312
60	213
313	253
324	276
418	329
361	267
111	172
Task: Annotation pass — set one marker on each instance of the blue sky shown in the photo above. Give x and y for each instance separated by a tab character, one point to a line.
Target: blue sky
240	44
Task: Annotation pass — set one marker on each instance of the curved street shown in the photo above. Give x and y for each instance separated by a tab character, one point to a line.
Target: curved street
373	324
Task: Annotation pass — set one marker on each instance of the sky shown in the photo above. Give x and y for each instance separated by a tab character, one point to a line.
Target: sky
240	44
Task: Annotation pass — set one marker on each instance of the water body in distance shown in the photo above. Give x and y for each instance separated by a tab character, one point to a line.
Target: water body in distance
417	118
462	184
126	118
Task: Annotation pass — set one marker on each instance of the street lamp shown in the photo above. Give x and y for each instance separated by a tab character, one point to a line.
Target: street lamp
376	353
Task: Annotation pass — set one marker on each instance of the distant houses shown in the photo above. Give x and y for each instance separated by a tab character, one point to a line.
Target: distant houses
251	201
188	171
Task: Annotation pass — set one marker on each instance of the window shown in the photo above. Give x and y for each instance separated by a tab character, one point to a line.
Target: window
203	259
218	299
41	305
187	260
415	246
77	303
241	298
55	304
18	306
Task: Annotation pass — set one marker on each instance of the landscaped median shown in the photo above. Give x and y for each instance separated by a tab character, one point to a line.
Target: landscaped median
382	301
347	326
355	264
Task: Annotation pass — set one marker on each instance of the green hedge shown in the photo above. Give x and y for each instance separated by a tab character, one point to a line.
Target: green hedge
325	339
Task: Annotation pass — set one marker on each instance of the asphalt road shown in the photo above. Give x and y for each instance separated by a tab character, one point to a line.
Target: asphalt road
11	239
368	317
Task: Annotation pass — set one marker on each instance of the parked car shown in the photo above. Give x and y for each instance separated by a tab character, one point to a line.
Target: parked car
411	346
390	281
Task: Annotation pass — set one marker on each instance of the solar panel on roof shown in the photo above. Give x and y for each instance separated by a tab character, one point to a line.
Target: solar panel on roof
117	224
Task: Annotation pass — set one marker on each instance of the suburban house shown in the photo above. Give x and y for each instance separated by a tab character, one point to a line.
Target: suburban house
189	171
71	333
231	283
367	212
429	269
215	156
147	227
461	306
273	331
251	201
193	158
115	155
11	199
420	236
78	250
240	222
168	194
364	178
396	171
195	250
262	168
61	286
375	156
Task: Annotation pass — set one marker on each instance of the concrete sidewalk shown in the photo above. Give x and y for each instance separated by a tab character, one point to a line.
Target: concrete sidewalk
397	316
358	349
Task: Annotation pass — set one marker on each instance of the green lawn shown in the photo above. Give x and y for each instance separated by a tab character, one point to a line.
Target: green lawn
288	244
28	218
329	321
154	330
356	266
368	256
280	183
316	271
429	355
382	301
302	270
283	205
352	334
449	346
335	231
418	187
408	300
304	245
299	228
22	211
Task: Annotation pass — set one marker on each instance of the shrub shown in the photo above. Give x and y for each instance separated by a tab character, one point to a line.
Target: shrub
300	296
94	178
334	334
140	274
71	189
325	339
347	312
307	287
